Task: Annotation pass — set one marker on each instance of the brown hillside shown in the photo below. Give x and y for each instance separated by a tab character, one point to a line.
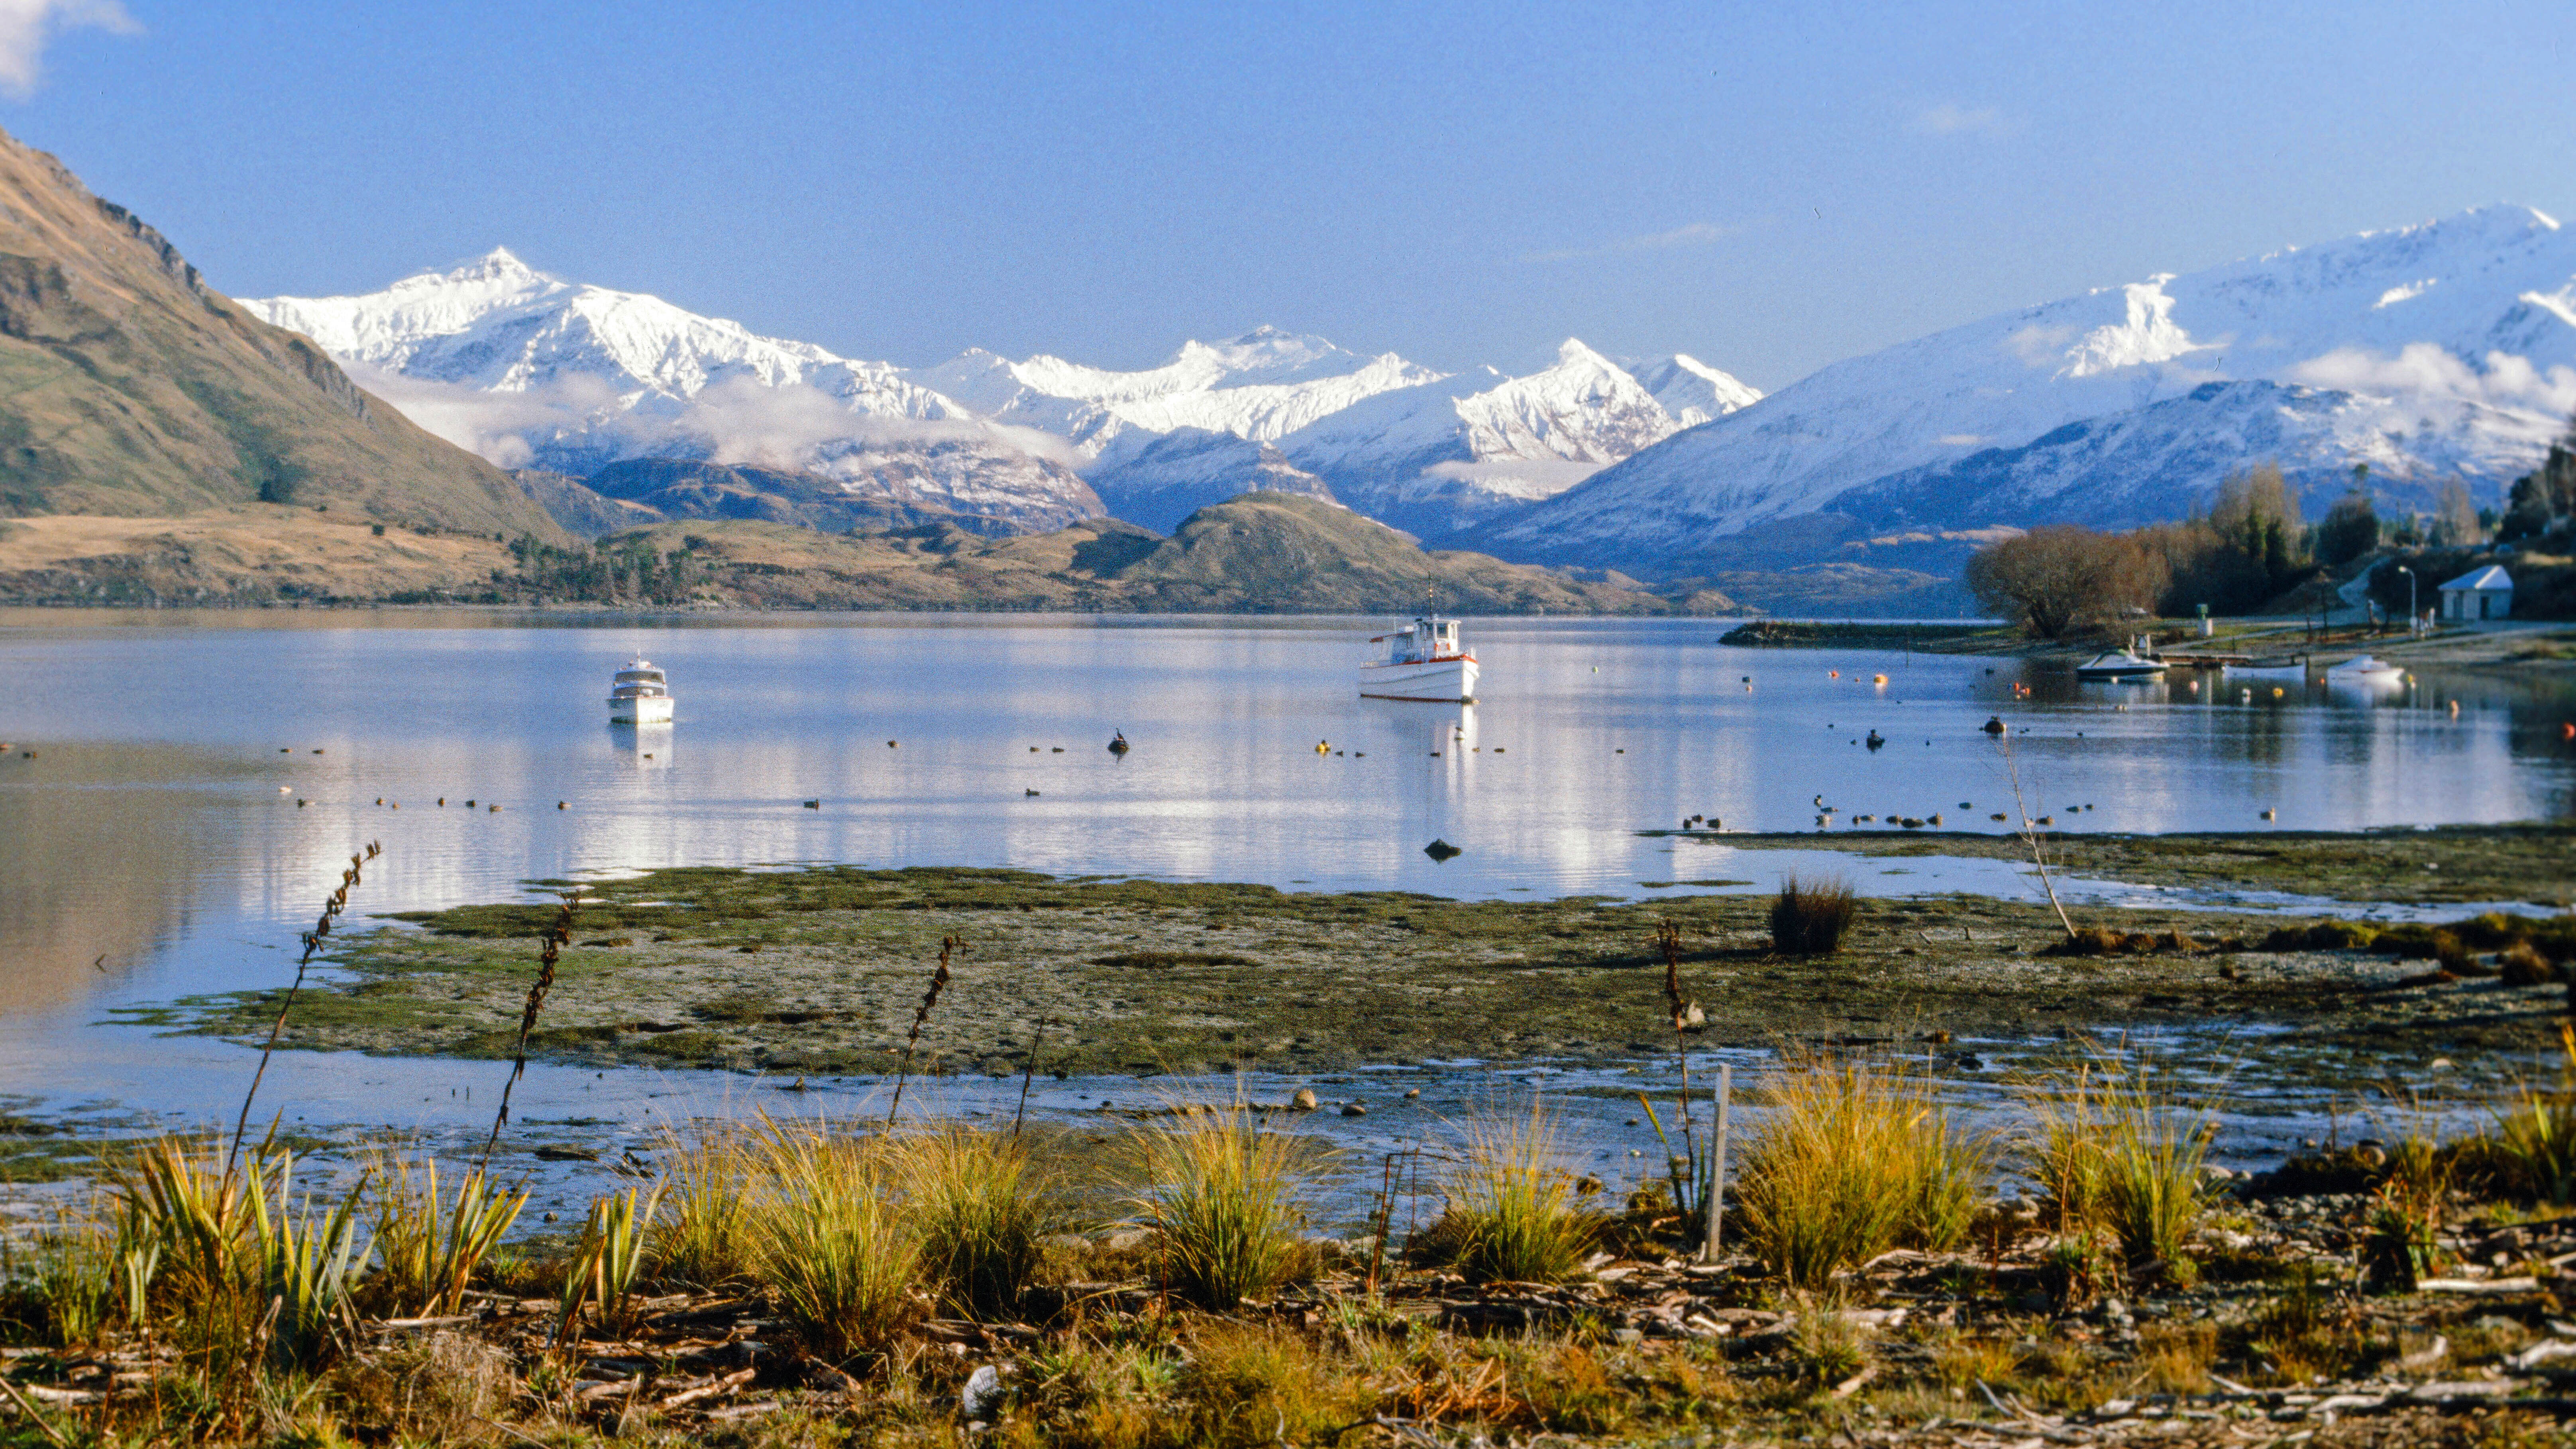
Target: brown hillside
129	387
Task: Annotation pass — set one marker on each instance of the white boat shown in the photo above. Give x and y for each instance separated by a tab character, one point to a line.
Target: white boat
2363	669
2123	664
1424	663
639	695
2284	669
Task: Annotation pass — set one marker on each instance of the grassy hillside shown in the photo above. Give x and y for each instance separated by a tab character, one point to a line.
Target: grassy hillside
129	387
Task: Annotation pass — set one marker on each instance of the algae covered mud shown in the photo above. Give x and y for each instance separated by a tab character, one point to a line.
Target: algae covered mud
819	971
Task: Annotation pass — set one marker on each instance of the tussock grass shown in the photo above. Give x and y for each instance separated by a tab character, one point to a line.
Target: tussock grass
982	1211
703	1237
2119	1154
1810	919
2533	1147
1223	1194
829	1240
1511	1214
1853	1160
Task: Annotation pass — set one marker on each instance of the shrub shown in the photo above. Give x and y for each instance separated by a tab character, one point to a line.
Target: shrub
1511	1215
607	1260
2523	965
431	1247
982	1213
1809	920
1222	1199
1852	1161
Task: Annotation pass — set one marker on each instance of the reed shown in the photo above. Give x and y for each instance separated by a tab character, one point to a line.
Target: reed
555	939
830	1243
1810	920
1511	1215
331	908
1851	1161
1222	1195
982	1211
929	999
431	1245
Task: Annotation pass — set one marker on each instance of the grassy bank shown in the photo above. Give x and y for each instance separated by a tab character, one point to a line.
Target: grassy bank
808	1282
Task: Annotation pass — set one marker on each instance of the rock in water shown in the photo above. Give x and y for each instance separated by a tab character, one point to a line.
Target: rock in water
1304	1101
1441	850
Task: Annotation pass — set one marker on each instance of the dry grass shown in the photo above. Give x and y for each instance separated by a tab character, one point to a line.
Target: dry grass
1222	1195
2119	1154
1811	919
982	1211
829	1240
1853	1160
1511	1215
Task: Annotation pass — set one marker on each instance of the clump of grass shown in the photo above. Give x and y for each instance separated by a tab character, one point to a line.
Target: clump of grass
431	1245
2533	1148
982	1211
2402	1233
1222	1195
2118	1154
1811	919
703	1239
63	1286
829	1241
1511	1215
1249	1385
1851	1161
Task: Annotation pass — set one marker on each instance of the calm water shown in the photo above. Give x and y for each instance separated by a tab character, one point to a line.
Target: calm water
155	844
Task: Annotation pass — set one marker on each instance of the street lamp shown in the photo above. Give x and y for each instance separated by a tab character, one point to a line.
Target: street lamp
2413	623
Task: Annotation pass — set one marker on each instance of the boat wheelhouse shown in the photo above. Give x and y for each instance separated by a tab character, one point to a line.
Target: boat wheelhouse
1424	662
640	694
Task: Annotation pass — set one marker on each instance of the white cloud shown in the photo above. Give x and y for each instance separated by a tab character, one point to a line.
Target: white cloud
495	425
1946	119
27	25
744	421
2506	381
2039	346
1698	233
1518	477
1960	440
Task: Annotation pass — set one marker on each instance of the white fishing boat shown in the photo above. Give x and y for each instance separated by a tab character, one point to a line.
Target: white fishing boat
2364	669
2120	665
1423	663
639	695
2281	669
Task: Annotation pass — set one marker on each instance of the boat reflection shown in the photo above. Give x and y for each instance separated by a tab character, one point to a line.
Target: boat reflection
646	747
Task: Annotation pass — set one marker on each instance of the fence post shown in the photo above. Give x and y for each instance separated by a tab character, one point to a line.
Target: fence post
1717	1166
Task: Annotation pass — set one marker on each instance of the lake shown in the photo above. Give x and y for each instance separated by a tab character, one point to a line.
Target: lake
199	779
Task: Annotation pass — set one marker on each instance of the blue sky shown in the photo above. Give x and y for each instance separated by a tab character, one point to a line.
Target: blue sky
1769	187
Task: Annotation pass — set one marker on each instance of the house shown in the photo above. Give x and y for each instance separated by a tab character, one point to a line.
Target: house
2485	593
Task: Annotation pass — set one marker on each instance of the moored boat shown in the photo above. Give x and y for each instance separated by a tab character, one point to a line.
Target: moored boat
2120	665
640	694
1423	662
2363	669
2284	669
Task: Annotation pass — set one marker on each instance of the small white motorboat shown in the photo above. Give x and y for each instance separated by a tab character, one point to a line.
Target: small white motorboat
2363	669
2121	666
639	695
2282	669
1423	663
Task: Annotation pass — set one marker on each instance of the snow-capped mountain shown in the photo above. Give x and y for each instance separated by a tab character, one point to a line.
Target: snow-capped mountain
533	370
1262	385
2450	346
1158	479
530	369
1691	390
1443	456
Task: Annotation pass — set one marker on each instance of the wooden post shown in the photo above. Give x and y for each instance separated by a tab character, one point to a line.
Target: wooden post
1717	1164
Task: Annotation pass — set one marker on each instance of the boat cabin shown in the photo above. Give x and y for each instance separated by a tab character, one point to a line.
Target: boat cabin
1421	642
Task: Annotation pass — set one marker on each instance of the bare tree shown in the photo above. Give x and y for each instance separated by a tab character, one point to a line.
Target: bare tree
2052	581
2455	517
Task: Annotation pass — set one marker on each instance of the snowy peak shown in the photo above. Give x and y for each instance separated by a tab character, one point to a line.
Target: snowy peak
2455	341
1691	390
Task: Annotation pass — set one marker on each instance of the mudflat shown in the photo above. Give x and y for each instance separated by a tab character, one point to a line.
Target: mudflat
822	970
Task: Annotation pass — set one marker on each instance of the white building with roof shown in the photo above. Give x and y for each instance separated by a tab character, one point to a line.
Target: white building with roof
2477	595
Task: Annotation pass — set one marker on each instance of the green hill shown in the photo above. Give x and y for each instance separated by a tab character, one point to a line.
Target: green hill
130	388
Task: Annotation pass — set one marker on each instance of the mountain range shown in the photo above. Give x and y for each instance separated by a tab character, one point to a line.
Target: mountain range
534	371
